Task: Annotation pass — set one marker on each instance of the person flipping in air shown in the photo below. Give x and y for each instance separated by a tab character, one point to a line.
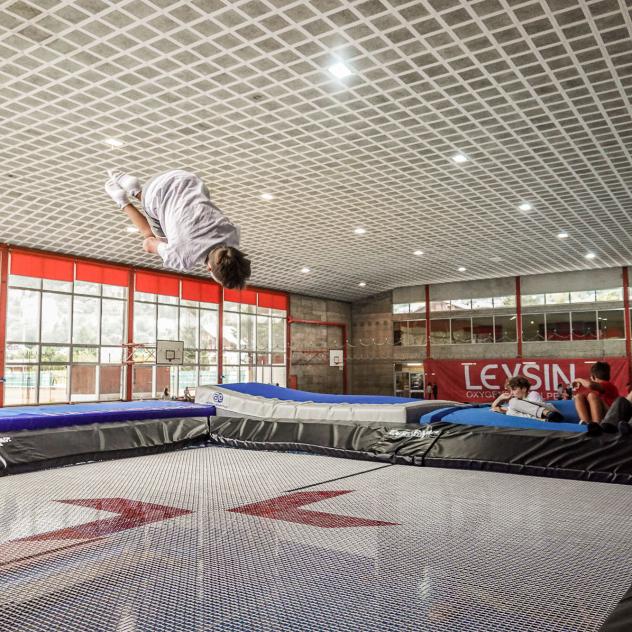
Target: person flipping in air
182	225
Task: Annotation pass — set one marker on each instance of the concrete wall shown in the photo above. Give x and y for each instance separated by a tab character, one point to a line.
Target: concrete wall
310	344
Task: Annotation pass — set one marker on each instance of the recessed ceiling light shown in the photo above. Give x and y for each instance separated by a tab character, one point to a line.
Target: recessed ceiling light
362	284
462	269
590	255
359	231
562	235
114	142
418	253
267	196
305	270
525	206
460	157
339	70
131	229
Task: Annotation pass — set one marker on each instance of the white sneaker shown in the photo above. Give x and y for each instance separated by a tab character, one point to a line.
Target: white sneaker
131	184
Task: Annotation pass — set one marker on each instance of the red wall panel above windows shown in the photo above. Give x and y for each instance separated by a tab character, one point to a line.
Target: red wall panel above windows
273	300
41	266
204	291
98	273
151	283
249	297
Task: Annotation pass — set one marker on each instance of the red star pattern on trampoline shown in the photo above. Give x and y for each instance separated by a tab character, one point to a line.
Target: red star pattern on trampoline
288	508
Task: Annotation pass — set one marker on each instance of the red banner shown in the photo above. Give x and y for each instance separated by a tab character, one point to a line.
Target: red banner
478	381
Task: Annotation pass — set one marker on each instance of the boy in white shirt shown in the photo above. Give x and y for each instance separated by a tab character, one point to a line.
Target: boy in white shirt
182	225
523	402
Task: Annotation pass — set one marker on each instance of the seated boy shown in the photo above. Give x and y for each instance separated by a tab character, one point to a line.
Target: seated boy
182	225
523	402
598	396
619	416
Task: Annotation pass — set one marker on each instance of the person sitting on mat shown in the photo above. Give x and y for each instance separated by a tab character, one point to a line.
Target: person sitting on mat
597	394
182	225
523	402
619	416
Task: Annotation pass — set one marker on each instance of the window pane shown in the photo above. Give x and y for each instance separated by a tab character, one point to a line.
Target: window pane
86	320
558	326
20	385
189	327
23	316
399	329
190	356
401	308
584	325
263	374
168	322
414	334
611	323
483	329
440	331
505	301
615	294
144	296
229	306
231	357
208	357
24	281
82	287
85	354
249	373
111	355
56	317
482	303
110	382
230	375
231	330
248	331
278	358
187	378
415	308
557	298
21	353
166	381
533	327
263	334
114	291
84	384
56	286
55	354
461	304
145	354
439	306
208	328
279	313
264	358
248	309
207	375
278	334
279	375
583	297
461	330
145	323
141	382
533	299
53	384
505	328
112	322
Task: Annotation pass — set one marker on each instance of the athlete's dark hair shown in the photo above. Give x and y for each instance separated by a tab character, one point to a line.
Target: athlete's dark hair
230	267
520	381
600	371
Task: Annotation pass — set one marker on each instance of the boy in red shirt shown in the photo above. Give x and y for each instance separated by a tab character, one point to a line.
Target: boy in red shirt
592	404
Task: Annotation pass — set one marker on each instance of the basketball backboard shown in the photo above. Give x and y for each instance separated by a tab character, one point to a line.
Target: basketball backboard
169	352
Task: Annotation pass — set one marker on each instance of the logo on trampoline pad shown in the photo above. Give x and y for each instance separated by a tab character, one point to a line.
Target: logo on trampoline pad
4	440
418	433
218	398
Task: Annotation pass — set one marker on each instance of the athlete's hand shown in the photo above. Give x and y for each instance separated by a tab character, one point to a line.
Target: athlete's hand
131	184
118	195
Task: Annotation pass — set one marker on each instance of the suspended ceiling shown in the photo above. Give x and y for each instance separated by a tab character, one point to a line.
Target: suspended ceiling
536	94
